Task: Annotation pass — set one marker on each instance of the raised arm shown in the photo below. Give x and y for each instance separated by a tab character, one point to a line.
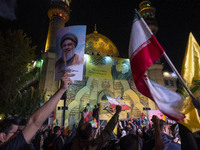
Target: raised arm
158	139
106	133
120	125
39	116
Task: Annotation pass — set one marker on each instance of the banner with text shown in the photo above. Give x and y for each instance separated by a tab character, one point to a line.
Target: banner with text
108	67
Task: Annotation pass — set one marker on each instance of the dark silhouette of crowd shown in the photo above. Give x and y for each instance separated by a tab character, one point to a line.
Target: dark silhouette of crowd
130	135
17	133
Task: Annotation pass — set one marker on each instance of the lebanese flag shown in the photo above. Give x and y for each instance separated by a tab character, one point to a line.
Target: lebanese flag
113	103
144	51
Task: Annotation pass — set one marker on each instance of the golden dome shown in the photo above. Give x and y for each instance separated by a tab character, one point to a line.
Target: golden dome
98	44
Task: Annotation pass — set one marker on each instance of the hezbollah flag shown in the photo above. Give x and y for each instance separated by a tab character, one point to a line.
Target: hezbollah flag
191	74
144	51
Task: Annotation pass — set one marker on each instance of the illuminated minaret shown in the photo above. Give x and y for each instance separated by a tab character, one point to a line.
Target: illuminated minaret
58	14
147	11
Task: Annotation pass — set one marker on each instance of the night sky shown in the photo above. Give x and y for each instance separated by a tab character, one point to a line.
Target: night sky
176	18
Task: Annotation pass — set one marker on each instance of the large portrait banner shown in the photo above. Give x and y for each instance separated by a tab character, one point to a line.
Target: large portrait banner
70	44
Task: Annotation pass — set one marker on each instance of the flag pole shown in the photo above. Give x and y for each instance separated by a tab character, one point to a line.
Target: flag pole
179	77
196	101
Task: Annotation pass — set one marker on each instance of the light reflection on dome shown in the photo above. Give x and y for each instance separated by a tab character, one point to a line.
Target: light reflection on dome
98	44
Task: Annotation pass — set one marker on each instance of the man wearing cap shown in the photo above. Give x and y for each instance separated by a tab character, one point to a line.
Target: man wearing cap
68	56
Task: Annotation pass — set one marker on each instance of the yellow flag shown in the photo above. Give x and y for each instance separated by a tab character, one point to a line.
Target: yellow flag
190	72
164	118
115	130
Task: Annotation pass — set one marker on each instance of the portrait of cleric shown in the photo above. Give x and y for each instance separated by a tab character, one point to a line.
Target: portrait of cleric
69	58
124	74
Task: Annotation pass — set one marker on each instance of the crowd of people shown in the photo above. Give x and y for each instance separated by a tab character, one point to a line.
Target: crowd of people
17	133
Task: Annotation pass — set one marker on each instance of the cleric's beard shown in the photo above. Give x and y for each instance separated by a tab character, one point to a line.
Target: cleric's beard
69	55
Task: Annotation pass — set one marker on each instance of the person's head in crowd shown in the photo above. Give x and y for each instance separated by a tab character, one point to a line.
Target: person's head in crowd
85	131
174	130
57	130
68	44
45	133
130	142
128	127
164	127
8	129
102	128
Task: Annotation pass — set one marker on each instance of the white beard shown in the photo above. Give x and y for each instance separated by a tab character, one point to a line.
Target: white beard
69	55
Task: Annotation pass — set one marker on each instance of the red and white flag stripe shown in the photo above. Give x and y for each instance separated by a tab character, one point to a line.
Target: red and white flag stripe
87	115
144	50
113	103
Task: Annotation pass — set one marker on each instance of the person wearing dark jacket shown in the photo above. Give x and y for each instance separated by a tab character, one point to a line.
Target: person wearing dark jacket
57	141
168	142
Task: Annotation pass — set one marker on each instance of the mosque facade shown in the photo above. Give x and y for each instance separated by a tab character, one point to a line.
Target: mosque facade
103	73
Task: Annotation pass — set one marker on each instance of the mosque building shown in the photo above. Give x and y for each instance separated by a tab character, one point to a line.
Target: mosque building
102	65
